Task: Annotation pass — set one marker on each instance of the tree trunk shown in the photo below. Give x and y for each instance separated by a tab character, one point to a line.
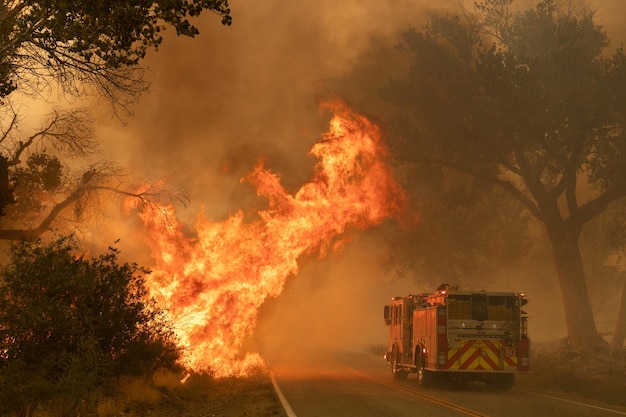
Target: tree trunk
620	327
581	328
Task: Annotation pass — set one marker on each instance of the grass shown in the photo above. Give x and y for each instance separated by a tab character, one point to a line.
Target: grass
594	376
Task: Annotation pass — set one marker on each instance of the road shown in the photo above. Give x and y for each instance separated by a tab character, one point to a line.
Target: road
357	384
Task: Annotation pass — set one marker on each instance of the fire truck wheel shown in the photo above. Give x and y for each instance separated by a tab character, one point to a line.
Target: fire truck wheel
424	377
396	370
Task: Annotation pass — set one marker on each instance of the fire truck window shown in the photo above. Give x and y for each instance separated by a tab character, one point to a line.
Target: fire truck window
479	307
459	307
500	308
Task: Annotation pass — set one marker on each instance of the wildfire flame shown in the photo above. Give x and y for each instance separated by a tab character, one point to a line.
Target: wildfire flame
214	283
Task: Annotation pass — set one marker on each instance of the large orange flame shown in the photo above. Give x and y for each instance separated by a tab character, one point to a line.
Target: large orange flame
214	283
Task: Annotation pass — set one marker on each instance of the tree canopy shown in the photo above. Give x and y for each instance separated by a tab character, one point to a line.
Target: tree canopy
89	43
79	47
526	99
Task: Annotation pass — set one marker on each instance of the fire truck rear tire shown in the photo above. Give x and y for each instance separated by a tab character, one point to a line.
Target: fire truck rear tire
396	369
428	379
424	377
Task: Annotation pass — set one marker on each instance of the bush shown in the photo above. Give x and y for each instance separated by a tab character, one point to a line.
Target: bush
70	326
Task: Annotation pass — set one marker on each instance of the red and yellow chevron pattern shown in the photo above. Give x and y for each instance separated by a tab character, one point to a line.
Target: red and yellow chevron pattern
481	355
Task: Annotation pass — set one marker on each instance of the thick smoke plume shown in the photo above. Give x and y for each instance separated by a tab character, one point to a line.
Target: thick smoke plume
233	94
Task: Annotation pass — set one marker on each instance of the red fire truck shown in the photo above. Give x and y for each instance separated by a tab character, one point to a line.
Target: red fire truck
458	336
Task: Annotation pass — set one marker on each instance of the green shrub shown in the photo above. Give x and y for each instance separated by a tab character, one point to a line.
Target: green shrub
70	326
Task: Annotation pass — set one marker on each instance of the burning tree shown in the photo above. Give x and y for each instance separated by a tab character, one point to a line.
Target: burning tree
526	100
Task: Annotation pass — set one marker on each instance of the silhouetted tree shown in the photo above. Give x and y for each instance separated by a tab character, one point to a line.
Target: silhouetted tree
86	44
612	239
526	100
44	176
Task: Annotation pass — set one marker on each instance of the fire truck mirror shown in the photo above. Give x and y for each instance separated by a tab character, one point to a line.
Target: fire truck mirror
387	315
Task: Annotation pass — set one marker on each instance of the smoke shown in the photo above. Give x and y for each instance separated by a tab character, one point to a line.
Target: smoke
334	303
234	94
245	89
254	86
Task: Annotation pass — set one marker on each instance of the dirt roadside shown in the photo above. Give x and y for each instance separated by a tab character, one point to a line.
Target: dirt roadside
249	397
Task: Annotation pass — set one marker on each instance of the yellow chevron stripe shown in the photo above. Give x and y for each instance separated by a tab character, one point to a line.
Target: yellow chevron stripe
491	356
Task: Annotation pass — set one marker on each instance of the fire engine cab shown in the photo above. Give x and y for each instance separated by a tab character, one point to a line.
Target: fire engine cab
458	336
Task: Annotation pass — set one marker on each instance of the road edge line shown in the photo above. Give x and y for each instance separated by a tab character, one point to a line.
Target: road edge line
580	403
281	398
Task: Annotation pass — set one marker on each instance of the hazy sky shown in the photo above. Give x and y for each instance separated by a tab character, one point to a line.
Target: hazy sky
234	93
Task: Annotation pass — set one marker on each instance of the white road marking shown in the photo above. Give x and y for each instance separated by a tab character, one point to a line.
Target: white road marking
608	410
282	398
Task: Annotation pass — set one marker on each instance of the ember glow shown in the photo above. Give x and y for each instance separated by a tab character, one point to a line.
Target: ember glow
214	282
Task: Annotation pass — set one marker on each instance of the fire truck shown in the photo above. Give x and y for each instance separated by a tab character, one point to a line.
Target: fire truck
458	336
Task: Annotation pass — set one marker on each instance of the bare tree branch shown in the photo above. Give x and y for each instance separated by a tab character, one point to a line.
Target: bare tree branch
149	197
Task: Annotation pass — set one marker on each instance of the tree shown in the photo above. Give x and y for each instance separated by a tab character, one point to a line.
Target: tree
611	230
85	43
48	172
525	100
602	249
80	47
465	232
70	325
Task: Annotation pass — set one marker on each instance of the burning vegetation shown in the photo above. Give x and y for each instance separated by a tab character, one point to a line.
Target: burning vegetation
214	282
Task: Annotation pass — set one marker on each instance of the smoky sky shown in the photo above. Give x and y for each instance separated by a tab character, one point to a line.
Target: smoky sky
220	101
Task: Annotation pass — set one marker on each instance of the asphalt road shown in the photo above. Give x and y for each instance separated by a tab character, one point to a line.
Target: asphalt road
323	384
